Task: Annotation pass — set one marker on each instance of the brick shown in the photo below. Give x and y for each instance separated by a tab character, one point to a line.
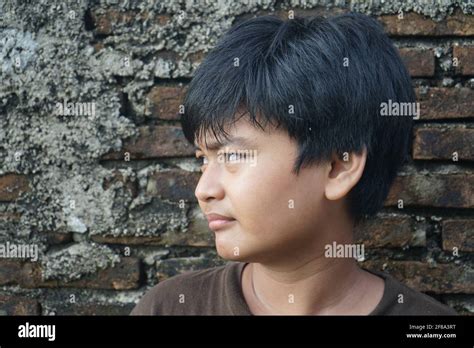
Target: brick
18	305
414	24
463	304
197	57
434	143
117	176
10	271
98	46
125	275
55	238
194	58
107	22
173	185
155	142
164	101
168	238
103	23
419	62
445	103
465	60
442	278
434	190
9	217
128	240
458	233
171	267
93	309
12	186
284	14
167	54
197	234
389	232
199	227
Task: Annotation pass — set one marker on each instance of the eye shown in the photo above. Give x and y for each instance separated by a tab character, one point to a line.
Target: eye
203	160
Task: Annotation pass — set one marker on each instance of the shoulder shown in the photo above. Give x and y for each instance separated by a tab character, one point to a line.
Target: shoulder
419	303
399	299
168	296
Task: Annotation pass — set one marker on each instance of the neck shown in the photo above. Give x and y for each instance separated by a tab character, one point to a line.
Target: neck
316	287
308	282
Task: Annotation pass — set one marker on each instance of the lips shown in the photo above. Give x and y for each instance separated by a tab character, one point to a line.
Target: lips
218	221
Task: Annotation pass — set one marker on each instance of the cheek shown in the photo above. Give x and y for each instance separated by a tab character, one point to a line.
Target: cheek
270	202
261	197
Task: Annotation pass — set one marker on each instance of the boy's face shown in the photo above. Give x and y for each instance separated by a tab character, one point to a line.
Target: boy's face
278	215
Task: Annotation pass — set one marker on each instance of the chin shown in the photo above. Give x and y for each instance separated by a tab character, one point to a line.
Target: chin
227	252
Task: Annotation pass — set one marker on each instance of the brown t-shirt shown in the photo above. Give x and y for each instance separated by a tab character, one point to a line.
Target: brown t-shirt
218	291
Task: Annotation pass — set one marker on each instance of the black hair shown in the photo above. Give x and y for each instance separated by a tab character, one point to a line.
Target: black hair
334	72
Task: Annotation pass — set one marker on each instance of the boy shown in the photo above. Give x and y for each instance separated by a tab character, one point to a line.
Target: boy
286	116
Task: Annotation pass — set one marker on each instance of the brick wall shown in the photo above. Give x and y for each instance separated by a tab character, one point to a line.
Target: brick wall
108	199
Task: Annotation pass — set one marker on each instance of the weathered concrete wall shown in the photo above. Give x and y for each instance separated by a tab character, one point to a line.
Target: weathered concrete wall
106	193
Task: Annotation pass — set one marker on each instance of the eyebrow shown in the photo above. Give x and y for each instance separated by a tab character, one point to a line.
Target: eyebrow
233	140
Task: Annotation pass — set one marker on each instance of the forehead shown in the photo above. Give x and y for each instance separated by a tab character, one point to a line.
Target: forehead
241	132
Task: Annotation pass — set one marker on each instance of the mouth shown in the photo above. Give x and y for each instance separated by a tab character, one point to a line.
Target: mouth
217	221
220	224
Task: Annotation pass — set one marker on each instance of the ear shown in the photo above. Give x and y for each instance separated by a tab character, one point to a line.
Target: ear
344	173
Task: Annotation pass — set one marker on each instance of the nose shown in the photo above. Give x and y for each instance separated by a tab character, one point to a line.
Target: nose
210	185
